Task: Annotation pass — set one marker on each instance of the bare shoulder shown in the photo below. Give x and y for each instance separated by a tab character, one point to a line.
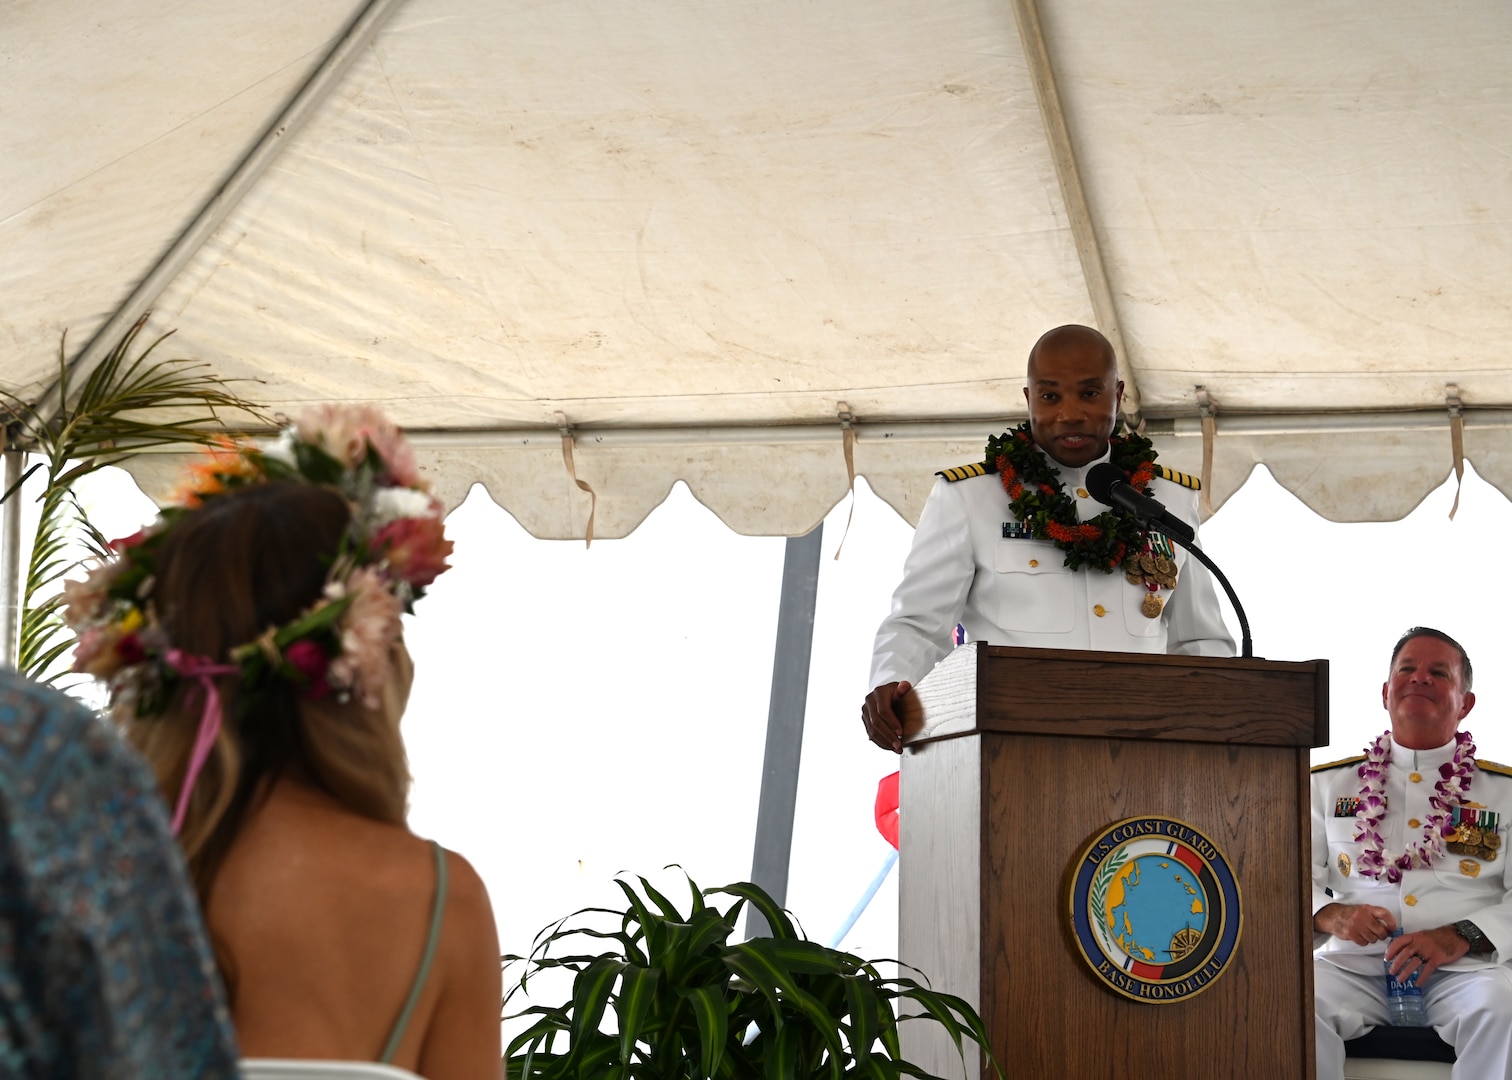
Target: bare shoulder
467	896
462	1039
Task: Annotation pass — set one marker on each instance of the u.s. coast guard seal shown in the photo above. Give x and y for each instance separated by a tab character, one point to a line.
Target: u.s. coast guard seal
1155	909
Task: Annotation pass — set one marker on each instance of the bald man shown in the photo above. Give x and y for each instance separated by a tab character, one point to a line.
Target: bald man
978	561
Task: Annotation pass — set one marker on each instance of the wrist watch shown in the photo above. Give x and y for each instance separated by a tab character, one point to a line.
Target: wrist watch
1472	933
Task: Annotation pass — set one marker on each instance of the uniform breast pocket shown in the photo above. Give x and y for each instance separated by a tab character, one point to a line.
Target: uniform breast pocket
1343	852
1136	622
1035	591
1474	863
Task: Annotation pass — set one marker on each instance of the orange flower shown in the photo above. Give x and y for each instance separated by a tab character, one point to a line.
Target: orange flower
225	465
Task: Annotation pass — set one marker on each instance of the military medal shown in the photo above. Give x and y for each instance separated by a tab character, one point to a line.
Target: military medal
1155	569
1470	868
1343	864
1474	833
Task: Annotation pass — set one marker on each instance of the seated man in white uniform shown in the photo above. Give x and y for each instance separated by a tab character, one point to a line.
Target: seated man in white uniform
1015	549
1412	835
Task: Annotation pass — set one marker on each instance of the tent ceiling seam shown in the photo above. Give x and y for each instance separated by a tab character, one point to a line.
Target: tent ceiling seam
302	105
1074	196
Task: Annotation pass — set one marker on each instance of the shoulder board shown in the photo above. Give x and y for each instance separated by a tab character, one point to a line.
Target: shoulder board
1492	766
1186	480
1339	764
966	472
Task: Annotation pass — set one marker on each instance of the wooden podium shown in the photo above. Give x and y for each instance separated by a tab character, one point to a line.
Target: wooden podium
1015	760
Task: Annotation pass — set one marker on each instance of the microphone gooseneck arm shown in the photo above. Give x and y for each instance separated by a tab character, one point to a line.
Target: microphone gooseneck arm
1109	486
1246	646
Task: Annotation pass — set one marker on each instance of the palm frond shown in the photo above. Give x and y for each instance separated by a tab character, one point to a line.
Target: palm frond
129	403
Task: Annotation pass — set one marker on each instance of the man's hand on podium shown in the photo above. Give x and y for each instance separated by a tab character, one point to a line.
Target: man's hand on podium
1363	924
883	725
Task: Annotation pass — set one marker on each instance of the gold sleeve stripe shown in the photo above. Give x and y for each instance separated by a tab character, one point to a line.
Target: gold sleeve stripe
1492	766
963	472
1184	479
1340	763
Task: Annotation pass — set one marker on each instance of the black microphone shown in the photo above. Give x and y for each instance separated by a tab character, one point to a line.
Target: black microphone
1107	484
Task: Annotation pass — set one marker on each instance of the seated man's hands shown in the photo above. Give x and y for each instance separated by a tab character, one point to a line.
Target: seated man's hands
1425	952
1363	924
883	725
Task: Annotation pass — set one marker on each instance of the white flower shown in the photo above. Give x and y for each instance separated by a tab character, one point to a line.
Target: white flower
394	503
281	449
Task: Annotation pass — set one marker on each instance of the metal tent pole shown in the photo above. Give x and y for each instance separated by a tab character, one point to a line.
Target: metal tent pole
784	740
10	559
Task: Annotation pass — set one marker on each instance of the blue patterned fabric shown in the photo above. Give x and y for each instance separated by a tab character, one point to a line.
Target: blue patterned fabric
105	970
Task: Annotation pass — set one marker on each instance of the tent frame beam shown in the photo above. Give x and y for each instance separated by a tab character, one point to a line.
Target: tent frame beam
358	35
1231	424
1074	198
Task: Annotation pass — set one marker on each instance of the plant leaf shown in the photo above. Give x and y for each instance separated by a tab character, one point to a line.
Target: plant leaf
590	996
713	1017
776	918
633	1003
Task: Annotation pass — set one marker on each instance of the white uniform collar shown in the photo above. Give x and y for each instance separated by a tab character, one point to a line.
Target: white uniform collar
1422	761
1076	478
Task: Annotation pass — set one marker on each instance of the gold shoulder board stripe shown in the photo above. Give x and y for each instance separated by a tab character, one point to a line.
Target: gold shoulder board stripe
963	472
1341	762
1184	479
1492	766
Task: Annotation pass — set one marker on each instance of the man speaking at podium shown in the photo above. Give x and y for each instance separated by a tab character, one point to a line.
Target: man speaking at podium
1015	548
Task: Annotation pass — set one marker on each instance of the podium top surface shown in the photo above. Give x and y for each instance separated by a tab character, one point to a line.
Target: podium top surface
991	688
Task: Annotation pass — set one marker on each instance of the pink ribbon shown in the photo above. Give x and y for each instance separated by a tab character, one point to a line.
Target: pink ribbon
204	669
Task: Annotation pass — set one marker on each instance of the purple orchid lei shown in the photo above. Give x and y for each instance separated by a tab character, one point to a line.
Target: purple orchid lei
1448	794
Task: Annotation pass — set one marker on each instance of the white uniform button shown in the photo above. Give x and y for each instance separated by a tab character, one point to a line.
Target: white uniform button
1414	823
1081	493
1099	610
1410	900
1416	778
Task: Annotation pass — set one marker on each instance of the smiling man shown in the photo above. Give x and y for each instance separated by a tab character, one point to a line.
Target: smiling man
1411	835
1016	550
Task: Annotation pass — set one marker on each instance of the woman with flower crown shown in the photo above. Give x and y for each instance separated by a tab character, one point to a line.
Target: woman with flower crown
252	644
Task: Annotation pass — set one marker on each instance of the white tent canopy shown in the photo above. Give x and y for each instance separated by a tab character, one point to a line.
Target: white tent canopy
696	233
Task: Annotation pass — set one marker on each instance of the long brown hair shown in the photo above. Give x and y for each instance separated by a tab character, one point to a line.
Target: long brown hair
248	560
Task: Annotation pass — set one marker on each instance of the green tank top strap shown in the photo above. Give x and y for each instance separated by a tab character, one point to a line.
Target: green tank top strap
432	938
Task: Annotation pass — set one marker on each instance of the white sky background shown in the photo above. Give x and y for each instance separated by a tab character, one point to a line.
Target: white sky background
578	713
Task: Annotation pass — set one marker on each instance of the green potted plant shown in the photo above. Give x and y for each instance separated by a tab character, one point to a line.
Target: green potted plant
671	997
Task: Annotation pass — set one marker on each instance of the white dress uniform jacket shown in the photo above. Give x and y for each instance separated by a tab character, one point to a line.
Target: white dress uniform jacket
1455	887
1469	1002
1019	592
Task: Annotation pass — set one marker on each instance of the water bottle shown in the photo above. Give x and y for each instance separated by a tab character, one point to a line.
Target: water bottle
1404	1000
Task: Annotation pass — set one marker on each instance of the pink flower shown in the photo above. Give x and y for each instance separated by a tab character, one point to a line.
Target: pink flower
85	601
415	549
131	541
398	457
310	660
97	653
369	627
346	431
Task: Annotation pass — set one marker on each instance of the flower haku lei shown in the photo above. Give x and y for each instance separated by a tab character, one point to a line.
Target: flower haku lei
1039	499
1448	795
394	548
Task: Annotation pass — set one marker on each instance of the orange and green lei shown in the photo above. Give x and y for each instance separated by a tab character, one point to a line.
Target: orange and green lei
1041	504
